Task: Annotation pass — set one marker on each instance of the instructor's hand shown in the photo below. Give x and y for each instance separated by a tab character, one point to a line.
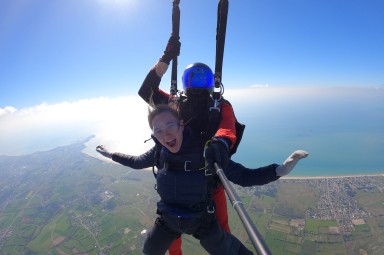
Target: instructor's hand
216	151
103	151
172	50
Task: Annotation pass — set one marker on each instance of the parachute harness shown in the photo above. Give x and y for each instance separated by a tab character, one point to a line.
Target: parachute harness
222	13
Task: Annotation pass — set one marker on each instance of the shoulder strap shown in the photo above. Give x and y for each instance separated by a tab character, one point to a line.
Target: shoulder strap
156	160
214	120
214	123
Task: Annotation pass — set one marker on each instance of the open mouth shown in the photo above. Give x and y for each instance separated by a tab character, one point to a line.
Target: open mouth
171	143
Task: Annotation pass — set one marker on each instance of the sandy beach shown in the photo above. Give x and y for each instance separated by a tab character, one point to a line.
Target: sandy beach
331	177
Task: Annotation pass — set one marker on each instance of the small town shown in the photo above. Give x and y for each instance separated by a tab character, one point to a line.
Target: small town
336	198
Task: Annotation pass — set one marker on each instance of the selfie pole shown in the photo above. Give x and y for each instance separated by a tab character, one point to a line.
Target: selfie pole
253	234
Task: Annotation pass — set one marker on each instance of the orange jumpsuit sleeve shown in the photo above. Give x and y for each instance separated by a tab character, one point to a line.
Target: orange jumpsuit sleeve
227	126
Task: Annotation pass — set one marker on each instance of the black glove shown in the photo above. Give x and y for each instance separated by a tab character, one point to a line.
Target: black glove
172	50
103	151
216	151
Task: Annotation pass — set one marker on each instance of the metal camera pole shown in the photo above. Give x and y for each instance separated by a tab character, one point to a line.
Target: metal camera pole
253	233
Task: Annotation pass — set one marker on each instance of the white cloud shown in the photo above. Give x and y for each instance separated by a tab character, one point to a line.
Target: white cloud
7	110
119	123
266	85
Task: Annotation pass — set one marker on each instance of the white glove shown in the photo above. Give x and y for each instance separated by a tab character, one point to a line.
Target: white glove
290	162
103	151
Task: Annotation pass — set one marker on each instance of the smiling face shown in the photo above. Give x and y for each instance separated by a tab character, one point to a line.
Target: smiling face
168	131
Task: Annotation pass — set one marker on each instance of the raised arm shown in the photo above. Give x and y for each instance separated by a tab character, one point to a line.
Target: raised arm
149	90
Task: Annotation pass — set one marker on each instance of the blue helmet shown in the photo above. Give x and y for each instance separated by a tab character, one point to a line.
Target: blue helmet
198	76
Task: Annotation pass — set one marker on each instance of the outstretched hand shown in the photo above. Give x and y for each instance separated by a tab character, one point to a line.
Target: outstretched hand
103	151
290	162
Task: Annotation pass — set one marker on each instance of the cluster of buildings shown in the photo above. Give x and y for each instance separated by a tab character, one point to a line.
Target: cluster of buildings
336	197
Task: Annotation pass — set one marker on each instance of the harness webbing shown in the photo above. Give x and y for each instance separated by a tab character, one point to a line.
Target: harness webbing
175	32
222	14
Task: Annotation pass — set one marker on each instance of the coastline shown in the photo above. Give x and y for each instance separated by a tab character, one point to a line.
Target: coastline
331	177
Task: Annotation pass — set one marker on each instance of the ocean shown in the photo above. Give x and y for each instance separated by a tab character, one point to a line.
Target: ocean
341	128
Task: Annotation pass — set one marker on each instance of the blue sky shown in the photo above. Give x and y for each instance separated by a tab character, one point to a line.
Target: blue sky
65	50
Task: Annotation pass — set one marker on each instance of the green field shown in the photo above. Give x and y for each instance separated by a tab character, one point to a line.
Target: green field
64	202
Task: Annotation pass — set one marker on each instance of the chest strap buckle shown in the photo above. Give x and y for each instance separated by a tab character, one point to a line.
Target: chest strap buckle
211	209
187	165
208	172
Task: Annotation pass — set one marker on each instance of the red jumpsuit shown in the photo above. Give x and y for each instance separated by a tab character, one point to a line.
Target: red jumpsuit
152	94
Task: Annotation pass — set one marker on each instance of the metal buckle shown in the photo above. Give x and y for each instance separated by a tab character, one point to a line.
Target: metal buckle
186	164
210	209
214	108
207	172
